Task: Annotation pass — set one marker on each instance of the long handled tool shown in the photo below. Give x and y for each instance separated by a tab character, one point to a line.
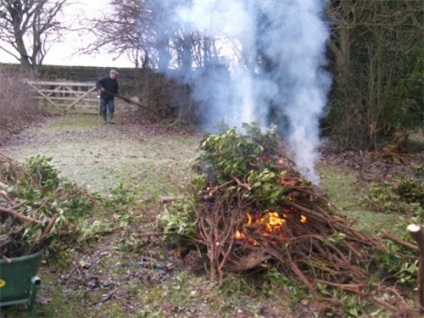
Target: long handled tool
130	101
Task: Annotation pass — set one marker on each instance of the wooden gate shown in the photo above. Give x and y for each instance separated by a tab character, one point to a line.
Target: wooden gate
68	96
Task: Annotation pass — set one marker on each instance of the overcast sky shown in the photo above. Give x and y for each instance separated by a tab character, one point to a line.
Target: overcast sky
65	52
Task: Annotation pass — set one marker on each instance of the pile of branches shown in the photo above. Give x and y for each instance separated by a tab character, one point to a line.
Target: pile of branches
256	211
38	209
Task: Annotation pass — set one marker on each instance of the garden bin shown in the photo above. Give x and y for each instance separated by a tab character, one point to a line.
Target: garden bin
19	281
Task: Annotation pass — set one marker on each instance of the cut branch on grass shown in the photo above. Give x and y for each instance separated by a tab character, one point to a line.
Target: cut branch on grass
43	236
169	199
388	236
18	215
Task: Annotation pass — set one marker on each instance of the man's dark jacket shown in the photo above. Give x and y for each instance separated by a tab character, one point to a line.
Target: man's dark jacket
110	85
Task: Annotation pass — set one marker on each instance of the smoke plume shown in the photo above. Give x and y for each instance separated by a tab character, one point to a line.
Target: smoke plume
275	51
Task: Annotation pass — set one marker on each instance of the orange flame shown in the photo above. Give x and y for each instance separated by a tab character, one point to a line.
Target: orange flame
239	235
269	223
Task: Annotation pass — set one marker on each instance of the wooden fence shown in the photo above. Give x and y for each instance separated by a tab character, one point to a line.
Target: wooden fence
67	96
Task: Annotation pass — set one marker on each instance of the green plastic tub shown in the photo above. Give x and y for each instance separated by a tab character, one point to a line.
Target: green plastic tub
19	281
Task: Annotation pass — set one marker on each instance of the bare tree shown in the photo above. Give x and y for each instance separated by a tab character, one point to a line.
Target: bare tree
122	31
27	27
137	28
145	31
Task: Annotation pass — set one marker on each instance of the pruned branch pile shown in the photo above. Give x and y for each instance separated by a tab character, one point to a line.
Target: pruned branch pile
37	207
256	211
309	238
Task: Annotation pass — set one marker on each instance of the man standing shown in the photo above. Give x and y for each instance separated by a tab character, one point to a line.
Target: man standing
108	87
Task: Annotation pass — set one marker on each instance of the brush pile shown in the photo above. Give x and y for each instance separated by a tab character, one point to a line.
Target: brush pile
38	210
255	211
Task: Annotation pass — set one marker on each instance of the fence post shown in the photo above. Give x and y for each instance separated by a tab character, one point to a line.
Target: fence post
417	233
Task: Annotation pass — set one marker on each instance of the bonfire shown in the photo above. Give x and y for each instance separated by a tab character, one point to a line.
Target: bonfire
254	211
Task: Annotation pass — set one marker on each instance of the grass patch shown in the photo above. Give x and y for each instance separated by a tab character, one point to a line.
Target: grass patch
346	192
78	122
102	157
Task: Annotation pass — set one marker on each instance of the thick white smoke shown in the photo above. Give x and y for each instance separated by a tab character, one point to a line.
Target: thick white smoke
277	74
